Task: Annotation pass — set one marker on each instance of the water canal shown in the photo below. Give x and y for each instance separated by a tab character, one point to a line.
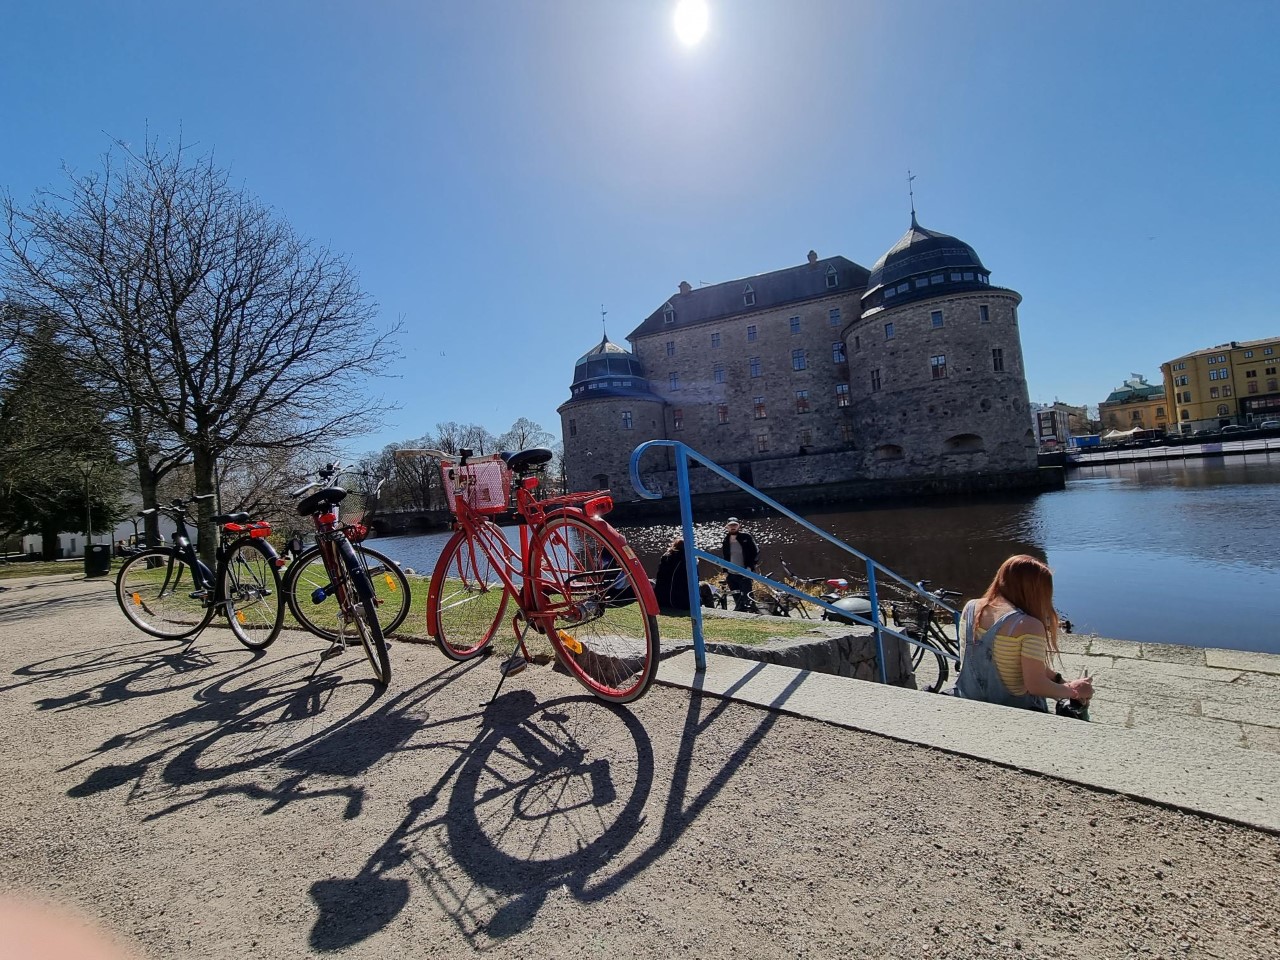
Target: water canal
1187	552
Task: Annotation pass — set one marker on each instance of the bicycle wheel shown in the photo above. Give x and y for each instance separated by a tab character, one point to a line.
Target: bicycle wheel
602	631
466	599
252	592
363	613
306	579
155	590
934	635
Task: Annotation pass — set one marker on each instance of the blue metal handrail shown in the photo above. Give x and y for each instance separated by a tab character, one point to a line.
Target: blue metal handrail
685	453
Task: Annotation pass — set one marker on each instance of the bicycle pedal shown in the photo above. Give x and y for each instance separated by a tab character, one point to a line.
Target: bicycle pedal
336	650
513	664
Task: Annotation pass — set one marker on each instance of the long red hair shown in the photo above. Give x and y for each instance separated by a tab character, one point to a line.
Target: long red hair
1027	583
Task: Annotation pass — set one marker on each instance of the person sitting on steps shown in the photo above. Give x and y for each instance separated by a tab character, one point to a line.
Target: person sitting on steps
1009	635
672	586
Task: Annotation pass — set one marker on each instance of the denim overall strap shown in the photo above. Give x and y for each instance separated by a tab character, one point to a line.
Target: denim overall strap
979	677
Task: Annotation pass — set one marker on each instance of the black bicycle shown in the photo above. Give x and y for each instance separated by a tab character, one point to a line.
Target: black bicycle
170	593
309	588
923	620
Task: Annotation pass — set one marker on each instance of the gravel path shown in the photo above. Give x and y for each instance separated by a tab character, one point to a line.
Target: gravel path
204	801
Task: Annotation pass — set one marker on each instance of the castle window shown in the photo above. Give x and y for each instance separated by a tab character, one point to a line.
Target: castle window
955	278
748	296
904	287
806	438
1213	393
1266	352
1186	414
668	314
802	401
722	413
857	342
833	316
1186	394
798	361
1159	411
751	333
997	359
984	315
674	380
842	395
626	419
968	276
755	366
922	282
757	404
1223	410
837	352
1248	374
888	331
1253	386
875	381
936	278
671	348
1270	370
719	373
715	341
939	366
1226	391
890	292
1248	354
935	317
677	418
762	442
833	278
846	432
573	427
795	325
983	278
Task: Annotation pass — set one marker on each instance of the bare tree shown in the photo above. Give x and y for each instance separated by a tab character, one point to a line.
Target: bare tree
217	327
524	433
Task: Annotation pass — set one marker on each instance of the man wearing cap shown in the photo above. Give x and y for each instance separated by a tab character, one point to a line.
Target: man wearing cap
740	549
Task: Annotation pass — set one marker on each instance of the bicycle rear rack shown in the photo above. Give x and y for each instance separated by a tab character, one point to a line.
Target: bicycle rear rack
685	453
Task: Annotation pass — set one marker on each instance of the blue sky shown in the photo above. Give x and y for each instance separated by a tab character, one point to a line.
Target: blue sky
497	171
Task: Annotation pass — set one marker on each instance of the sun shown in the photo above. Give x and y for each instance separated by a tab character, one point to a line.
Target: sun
691	21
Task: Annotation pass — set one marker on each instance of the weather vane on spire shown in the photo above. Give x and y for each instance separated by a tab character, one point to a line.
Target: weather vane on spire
603	329
911	192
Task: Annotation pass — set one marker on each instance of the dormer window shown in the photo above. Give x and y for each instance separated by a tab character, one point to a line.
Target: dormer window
668	314
833	278
748	296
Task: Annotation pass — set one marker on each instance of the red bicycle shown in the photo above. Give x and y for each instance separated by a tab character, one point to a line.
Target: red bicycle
572	577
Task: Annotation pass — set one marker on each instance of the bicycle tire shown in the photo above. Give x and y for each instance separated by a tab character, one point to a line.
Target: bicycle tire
154	589
600	607
252	592
307	575
467	598
366	617
936	636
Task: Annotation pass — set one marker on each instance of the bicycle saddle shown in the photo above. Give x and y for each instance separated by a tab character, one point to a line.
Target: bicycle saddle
232	518
534	456
321	499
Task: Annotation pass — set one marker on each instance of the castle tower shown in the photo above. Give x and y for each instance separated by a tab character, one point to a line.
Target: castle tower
611	410
937	381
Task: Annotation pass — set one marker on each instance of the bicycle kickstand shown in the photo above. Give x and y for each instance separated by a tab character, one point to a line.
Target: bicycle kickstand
518	660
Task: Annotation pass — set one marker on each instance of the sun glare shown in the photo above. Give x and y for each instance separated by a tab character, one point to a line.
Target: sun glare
691	21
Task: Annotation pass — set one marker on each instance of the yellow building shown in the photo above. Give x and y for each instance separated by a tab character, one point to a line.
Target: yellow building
1236	382
1135	403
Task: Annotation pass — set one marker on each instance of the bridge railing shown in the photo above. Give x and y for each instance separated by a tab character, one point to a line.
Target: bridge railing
683	454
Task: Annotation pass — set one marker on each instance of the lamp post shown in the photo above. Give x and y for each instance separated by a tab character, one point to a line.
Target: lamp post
85	468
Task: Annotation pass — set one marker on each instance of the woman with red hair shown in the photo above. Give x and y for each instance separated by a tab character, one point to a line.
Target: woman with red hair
1010	634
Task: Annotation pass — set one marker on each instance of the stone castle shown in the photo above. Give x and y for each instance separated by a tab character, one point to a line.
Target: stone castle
823	378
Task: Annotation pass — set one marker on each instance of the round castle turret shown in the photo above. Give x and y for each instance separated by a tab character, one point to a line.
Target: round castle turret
936	371
610	411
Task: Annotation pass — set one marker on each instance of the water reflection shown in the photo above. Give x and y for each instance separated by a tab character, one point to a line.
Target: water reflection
1174	553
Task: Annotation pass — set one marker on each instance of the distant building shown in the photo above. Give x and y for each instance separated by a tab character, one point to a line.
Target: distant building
816	374
1232	383
1135	403
1056	422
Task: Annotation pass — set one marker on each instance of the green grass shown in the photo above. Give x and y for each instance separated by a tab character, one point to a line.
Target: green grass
43	568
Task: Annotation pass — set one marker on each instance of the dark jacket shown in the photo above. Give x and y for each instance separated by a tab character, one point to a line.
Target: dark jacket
673	585
750	553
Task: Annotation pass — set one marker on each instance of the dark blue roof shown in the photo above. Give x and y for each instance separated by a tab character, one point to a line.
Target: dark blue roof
808	281
921	251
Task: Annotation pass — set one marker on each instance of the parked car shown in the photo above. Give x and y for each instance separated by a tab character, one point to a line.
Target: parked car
1235	428
1204	433
1269	425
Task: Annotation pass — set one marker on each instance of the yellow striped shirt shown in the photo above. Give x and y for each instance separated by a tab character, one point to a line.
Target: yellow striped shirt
1009	649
